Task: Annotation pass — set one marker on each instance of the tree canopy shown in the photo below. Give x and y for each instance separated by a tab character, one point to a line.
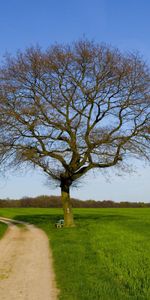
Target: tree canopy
74	108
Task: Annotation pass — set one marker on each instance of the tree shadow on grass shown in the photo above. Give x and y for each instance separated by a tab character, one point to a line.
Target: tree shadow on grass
39	219
79	218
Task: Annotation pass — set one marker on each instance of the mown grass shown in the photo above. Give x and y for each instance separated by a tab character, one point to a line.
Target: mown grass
107	256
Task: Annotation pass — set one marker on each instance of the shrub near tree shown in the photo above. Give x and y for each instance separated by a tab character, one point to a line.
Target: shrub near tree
72	109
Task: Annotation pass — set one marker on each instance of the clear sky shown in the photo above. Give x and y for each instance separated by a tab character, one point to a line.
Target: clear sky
124	24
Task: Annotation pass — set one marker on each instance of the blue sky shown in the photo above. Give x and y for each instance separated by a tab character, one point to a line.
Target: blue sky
124	24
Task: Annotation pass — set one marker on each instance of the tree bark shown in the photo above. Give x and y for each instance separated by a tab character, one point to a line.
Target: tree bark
67	207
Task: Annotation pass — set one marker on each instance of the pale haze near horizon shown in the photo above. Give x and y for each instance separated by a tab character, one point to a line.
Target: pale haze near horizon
122	24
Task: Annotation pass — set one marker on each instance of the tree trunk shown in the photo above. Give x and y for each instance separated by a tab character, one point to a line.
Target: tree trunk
67	207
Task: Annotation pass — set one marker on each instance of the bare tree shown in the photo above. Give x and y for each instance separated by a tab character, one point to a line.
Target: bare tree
74	108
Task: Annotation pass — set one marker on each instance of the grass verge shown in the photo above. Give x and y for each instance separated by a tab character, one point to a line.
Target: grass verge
3	228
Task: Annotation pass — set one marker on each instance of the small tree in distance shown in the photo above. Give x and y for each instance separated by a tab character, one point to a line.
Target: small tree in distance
74	108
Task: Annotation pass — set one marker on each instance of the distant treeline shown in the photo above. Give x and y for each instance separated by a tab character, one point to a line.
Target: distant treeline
55	201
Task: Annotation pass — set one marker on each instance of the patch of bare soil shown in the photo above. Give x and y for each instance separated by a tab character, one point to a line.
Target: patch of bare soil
26	271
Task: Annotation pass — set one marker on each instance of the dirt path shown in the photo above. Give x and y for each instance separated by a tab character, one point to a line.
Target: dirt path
26	271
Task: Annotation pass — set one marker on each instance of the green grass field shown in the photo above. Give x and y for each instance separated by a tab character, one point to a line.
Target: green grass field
106	257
